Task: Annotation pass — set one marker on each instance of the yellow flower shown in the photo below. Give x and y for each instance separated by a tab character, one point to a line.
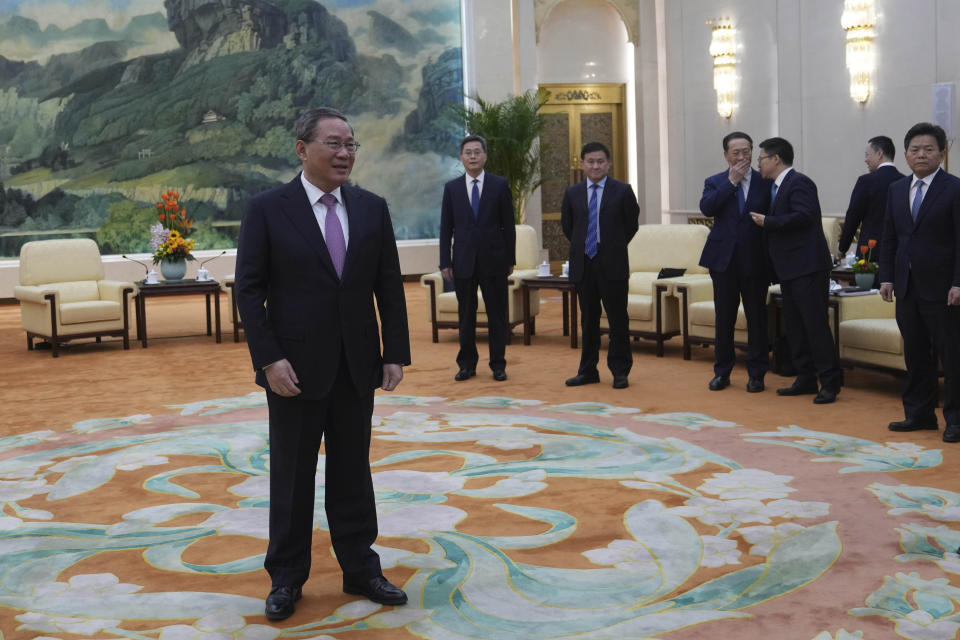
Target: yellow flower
174	234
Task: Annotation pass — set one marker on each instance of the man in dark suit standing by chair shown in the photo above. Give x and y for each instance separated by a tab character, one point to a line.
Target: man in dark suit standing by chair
868	202
920	262
599	217
734	253
802	263
477	215
312	256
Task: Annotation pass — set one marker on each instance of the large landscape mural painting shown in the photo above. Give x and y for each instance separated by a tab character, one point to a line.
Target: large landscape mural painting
104	104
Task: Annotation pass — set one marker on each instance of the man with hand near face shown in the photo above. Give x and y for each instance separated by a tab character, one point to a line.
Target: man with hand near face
735	255
311	258
477	216
920	262
599	217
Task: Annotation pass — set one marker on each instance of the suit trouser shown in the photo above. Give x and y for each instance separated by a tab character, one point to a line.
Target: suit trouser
593	290
729	288
494	290
930	329
342	418
805	312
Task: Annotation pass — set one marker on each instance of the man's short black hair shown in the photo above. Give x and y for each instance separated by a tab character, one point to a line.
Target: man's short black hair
306	126
926	129
734	135
884	145
474	138
590	147
778	147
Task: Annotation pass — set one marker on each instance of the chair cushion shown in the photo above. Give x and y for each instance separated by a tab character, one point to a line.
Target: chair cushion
703	313
78	291
89	311
667	245
639	307
872	334
447	303
44	261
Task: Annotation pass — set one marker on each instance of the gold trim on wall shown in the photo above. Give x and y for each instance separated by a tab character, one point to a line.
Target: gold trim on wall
608	93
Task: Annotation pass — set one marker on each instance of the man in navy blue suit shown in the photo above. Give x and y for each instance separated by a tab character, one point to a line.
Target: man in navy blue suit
868	201
734	253
477	215
920	262
599	217
802	263
312	256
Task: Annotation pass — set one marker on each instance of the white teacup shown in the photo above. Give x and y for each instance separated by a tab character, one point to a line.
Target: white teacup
544	269
152	277
565	269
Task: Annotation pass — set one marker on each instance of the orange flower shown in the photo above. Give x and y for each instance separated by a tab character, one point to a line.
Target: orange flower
159	206
871	243
163	218
863	248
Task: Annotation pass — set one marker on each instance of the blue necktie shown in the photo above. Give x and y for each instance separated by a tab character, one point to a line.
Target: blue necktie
741	200
917	199
475	198
593	225
773	193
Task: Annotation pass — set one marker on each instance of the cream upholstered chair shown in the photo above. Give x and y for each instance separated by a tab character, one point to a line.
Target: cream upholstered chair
227	287
63	294
653	310
442	306
869	335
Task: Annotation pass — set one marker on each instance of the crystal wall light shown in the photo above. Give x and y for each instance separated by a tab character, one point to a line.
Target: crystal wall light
723	48
859	20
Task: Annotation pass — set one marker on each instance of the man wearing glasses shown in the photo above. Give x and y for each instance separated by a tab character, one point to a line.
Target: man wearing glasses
801	261
477	216
735	255
312	256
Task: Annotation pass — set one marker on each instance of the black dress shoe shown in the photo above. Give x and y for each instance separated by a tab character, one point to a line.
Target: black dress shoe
499	375
280	602
581	379
952	433
464	374
799	389
825	396
914	424
755	385
620	382
377	589
719	382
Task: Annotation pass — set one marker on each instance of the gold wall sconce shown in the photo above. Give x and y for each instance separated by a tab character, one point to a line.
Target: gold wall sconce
859	20
723	49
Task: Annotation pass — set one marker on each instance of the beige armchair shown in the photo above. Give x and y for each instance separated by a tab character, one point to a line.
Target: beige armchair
653	310
442	306
869	335
63	294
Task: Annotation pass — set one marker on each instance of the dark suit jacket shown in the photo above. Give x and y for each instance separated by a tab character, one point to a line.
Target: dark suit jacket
930	247
733	231
618	218
868	202
793	230
485	244
294	306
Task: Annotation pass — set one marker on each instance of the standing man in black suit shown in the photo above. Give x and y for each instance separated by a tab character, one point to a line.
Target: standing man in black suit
312	256
802	263
868	202
477	214
920	262
599	217
735	254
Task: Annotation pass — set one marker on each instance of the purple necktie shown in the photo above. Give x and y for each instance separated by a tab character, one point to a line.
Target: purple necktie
336	245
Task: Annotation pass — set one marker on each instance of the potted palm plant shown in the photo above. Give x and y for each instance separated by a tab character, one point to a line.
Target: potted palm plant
512	129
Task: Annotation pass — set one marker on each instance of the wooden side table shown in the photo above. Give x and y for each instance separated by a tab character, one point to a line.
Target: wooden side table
178	288
569	304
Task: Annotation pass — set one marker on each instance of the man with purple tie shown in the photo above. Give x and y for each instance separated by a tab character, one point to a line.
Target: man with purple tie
311	258
476	217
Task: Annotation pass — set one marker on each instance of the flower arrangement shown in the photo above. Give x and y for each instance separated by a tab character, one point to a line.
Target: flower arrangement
169	236
865	264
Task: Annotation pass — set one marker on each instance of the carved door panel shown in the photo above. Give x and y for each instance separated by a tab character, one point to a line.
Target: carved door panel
575	115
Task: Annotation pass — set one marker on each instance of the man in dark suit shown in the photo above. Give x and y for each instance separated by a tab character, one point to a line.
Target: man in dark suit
312	256
868	202
599	217
920	262
477	214
801	262
735	254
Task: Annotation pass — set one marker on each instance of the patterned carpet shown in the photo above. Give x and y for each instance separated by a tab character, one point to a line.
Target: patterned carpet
501	517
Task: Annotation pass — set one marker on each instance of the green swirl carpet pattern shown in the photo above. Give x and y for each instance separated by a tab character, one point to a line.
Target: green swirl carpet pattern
501	517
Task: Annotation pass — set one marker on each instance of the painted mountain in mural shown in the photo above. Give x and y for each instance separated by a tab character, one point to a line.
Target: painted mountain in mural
211	116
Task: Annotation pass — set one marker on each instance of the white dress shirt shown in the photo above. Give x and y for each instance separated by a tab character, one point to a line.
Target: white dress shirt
913	188
470	180
314	193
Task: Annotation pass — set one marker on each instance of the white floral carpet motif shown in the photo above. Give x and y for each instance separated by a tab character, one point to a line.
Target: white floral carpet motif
501	517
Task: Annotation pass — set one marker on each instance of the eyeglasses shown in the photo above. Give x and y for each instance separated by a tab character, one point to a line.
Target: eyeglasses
336	145
759	158
473	154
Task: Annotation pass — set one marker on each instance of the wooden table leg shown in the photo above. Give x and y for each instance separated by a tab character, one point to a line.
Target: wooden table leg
574	343
566	312
525	294
216	307
207	300
143	321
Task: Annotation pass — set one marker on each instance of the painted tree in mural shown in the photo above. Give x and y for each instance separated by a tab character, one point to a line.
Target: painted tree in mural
202	96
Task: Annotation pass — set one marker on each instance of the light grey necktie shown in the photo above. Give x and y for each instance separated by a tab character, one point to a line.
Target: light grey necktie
917	200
